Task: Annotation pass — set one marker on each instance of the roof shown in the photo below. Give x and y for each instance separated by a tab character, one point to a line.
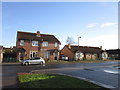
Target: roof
53	50
21	50
84	49
113	51
33	36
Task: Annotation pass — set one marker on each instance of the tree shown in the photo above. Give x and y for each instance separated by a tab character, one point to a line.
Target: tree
70	40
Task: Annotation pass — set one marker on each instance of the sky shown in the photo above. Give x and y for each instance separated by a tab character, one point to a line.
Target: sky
95	22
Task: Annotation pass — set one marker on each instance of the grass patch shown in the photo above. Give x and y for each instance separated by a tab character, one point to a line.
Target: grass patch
52	81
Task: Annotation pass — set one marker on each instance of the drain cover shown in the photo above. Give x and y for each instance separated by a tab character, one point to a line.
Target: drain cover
88	69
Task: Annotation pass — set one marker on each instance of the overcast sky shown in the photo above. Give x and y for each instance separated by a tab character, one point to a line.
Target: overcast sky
95	22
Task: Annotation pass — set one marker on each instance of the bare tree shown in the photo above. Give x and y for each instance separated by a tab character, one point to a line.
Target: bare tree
70	40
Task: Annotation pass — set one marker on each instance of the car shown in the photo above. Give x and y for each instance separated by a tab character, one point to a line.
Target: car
35	60
62	57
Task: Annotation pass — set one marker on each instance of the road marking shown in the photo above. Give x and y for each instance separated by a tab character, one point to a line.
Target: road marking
113	72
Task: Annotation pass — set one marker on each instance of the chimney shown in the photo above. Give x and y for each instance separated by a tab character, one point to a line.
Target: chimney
38	33
69	46
100	47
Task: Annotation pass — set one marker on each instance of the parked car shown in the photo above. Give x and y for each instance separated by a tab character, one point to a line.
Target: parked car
62	57
35	60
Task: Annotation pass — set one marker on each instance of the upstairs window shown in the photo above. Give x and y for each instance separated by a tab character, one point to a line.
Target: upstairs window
45	44
21	42
34	43
56	44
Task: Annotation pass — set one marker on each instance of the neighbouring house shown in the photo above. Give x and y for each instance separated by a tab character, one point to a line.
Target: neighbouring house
1	54
31	45
113	54
74	52
10	54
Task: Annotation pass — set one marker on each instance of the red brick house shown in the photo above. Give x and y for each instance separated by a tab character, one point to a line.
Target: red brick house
37	45
74	52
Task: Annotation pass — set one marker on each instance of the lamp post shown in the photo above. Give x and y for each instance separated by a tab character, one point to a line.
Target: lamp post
78	40
78	48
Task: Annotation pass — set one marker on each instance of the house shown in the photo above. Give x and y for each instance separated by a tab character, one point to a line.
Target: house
31	45
113	54
9	54
1	54
74	52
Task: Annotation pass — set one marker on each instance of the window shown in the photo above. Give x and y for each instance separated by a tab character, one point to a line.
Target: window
21	42
104	55
37	57
46	54
34	43
56	44
45	44
117	55
113	55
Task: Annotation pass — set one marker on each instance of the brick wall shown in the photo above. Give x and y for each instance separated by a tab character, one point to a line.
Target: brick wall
39	49
65	51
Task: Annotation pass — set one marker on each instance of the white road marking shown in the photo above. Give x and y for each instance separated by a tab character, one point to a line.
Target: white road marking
109	71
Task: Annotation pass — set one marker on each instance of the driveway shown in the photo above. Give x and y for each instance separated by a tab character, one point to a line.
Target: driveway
104	74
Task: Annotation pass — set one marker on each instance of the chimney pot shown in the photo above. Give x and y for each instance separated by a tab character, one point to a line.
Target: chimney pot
69	46
38	33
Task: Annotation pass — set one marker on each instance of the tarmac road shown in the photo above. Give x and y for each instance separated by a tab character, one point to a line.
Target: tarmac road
104	74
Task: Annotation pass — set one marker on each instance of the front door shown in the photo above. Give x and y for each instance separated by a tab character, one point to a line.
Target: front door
33	54
55	55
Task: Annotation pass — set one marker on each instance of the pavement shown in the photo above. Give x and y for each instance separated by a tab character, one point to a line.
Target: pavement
103	74
9	73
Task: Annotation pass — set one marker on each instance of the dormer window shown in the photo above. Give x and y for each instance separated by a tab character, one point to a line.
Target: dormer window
56	44
34	43
21	42
45	44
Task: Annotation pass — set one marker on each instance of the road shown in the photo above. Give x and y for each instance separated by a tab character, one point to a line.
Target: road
104	74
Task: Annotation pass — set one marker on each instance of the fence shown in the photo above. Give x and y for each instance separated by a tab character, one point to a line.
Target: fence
9	59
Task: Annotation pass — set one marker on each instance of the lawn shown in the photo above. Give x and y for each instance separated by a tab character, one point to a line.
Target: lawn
53	81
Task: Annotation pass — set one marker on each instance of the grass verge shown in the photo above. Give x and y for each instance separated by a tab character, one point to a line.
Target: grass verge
53	81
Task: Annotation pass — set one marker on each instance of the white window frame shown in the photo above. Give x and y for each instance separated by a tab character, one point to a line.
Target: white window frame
34	43
46	54
45	44
56	44
104	55
21	42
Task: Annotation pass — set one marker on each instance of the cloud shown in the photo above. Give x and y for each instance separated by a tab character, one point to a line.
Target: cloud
91	25
108	24
106	41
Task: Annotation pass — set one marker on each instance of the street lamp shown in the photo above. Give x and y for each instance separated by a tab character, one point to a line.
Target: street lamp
78	40
78	49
